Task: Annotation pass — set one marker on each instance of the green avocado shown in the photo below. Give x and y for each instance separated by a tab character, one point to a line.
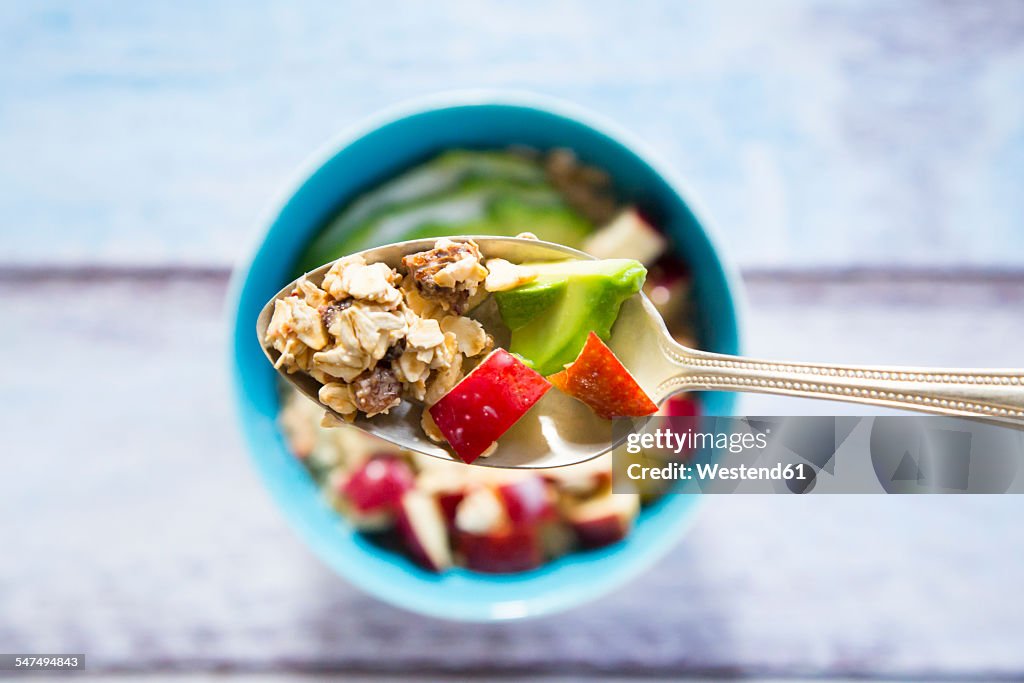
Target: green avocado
458	192
521	305
439	175
551	317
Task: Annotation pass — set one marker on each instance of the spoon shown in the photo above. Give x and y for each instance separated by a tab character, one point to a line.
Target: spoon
560	430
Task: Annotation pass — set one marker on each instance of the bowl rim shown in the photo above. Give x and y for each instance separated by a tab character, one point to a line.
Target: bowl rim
323	154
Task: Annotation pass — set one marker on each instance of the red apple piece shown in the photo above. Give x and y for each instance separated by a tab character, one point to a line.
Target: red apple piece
529	500
378	484
601	381
380	519
488	541
603	520
422	527
449	502
681	405
481	511
512	549
447	485
486	403
686	411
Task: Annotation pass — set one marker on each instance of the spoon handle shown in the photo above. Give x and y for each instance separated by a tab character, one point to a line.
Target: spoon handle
989	395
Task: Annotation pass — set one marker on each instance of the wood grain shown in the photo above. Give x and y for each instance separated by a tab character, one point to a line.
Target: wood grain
135	531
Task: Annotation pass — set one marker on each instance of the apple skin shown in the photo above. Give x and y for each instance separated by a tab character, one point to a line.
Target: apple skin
601	381
447	483
378	484
685	411
680	405
529	500
486	537
510	549
423	530
449	502
603	520
486	403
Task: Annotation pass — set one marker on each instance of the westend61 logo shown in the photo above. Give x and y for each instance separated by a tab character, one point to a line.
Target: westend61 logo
901	454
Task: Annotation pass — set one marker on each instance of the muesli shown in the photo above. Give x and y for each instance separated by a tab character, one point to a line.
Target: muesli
375	336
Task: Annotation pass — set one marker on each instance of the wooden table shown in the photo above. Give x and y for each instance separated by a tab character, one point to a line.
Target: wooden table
135	530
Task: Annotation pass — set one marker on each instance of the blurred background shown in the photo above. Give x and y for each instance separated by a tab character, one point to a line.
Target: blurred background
814	133
863	162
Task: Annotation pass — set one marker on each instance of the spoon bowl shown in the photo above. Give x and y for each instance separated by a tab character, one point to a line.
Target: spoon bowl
560	430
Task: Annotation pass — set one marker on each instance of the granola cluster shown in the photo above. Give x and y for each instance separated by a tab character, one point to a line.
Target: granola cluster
448	275
372	336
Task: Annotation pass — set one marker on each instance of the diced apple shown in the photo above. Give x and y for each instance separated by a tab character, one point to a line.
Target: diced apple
486	403
512	549
686	411
422	528
529	500
582	479
378	484
604	519
627	236
601	381
449	502
481	511
447	485
488	541
371	522
680	405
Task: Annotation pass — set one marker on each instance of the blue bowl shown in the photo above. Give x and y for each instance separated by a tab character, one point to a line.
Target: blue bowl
372	153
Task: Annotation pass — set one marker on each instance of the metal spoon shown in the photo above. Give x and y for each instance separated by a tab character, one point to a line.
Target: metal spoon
560	430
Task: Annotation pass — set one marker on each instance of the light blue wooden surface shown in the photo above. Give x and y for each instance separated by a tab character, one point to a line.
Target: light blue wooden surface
133	527
814	133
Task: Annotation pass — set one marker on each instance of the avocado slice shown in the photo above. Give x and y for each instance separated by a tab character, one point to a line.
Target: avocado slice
551	316
521	305
510	215
441	174
483	206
